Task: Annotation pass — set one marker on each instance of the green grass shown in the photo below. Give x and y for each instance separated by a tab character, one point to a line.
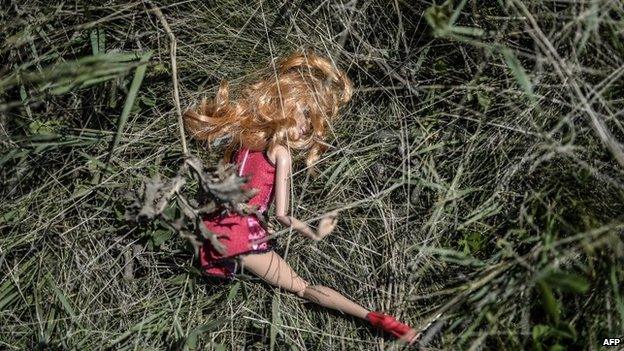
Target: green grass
479	169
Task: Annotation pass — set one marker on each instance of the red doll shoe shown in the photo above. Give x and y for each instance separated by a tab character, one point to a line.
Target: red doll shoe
391	325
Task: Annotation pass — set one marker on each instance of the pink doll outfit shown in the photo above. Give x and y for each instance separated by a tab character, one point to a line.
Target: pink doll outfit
240	234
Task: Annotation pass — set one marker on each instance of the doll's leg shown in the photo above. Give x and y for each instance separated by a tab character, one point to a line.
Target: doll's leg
273	269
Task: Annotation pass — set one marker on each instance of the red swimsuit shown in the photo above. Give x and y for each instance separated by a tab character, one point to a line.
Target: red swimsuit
238	233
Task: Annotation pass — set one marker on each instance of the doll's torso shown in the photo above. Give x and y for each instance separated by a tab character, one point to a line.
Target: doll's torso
241	234
260	173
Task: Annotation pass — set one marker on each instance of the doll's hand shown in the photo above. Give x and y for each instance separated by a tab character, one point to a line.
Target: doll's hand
327	224
270	229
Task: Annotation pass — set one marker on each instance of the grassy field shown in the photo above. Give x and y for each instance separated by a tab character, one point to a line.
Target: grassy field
479	170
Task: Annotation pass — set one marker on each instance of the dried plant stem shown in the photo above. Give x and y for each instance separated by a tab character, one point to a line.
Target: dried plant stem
174	74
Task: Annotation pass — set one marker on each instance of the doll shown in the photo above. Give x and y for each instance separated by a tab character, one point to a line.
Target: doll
290	109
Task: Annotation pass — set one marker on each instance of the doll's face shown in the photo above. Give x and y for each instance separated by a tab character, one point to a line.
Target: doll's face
303	127
301	130
303	124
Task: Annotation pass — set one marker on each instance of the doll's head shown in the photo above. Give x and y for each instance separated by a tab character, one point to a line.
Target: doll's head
293	105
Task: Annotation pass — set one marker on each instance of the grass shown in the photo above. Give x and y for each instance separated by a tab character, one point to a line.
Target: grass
479	170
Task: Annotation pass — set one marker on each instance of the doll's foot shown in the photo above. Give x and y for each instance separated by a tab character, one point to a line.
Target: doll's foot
389	324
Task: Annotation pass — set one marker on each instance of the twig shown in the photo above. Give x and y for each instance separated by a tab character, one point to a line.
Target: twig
174	73
129	266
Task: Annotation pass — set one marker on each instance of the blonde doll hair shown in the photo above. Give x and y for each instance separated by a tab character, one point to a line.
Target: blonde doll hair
303	87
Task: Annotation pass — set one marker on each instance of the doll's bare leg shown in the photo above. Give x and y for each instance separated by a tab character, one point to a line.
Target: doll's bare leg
273	269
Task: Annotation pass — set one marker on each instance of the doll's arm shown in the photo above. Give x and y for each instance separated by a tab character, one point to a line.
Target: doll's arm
282	191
